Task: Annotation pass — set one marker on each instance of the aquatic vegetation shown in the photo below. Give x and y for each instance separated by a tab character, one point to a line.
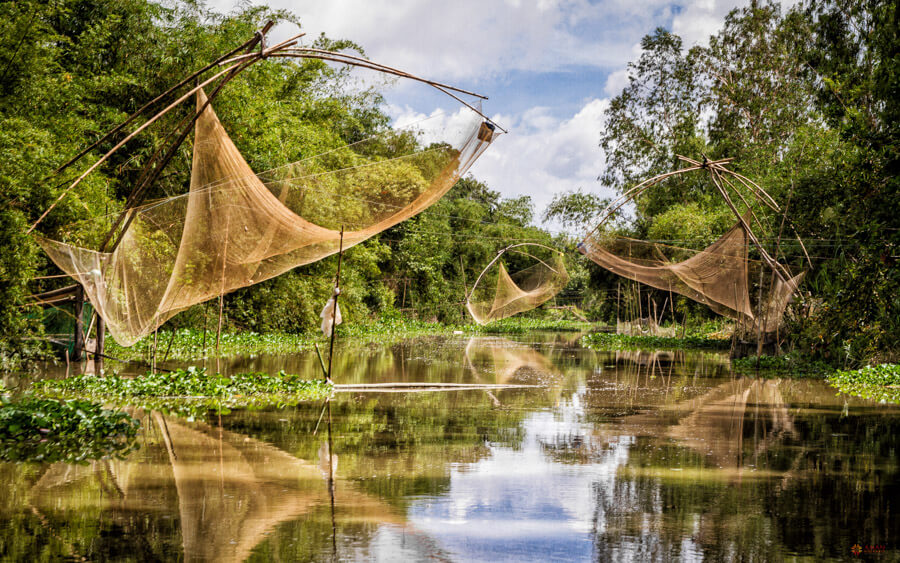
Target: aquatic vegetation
189	392
186	384
878	382
188	343
51	430
521	325
612	341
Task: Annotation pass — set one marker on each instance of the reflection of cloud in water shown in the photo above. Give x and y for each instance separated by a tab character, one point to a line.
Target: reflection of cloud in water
520	503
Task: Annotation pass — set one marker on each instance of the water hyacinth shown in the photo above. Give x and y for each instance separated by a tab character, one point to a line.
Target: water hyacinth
878	383
51	430
612	341
186	383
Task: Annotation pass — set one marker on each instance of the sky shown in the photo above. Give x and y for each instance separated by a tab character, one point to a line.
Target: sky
549	68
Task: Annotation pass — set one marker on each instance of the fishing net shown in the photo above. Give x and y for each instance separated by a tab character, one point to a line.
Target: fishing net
522	291
235	228
715	276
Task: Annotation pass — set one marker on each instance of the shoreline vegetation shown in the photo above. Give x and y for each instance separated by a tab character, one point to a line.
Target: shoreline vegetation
187	344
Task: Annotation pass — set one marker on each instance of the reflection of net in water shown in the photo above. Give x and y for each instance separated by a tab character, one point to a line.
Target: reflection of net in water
498	360
235	229
230	490
522	291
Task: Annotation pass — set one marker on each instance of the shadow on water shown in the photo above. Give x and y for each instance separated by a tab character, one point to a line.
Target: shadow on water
630	455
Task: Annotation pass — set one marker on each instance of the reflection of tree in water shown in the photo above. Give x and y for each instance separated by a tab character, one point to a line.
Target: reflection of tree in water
742	470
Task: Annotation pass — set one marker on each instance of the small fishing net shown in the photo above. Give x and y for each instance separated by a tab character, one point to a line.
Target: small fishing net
235	228
717	276
522	291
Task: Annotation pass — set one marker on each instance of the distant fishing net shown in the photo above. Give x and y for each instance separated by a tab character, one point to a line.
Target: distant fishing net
497	294
717	276
235	228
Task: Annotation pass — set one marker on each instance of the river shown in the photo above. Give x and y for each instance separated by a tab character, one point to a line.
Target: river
608	456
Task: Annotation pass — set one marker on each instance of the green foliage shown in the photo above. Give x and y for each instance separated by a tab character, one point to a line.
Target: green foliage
73	431
575	209
878	383
612	341
805	102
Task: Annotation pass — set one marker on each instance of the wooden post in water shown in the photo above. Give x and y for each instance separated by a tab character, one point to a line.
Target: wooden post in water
101	344
78	347
337	292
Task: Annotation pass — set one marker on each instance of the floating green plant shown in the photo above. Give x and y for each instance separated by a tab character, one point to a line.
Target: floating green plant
878	383
612	341
50	430
190	391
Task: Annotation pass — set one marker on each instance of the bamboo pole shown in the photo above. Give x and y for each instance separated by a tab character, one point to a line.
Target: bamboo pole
337	292
78	345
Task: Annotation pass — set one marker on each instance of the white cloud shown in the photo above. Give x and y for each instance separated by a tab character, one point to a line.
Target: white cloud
541	156
616	82
473	39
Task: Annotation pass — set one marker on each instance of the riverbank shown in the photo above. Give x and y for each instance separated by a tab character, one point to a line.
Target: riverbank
188	344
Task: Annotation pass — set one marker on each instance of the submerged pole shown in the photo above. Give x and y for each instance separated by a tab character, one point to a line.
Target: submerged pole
337	292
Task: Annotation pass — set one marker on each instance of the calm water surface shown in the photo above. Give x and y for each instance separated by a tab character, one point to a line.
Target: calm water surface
614	456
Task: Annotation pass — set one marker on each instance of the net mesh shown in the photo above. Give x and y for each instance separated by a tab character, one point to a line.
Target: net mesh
717	276
235	228
519	292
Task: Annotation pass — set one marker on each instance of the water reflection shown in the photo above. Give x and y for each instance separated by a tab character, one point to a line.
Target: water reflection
638	455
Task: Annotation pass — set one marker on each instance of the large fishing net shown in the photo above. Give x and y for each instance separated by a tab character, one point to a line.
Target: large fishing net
235	228
717	276
522	291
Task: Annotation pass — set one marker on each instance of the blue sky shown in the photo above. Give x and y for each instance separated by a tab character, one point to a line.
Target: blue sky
548	66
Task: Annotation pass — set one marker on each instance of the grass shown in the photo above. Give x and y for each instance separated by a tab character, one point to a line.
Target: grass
878	383
48	430
187	344
188	392
612	341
